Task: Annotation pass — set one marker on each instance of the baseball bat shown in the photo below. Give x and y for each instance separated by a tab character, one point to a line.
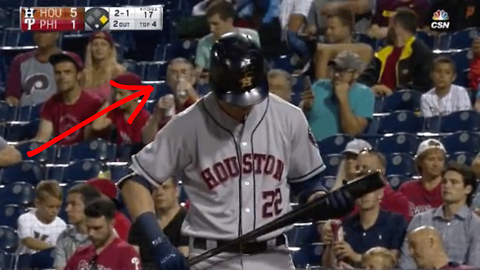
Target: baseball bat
356	189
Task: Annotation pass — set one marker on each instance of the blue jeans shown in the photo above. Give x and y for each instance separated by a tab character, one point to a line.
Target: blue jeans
298	45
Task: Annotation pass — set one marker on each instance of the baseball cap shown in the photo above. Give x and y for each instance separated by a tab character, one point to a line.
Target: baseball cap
128	78
347	61
105	186
356	146
103	35
67	56
430	144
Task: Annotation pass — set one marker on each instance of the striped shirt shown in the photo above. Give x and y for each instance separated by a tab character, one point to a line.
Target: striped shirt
461	236
67	243
457	99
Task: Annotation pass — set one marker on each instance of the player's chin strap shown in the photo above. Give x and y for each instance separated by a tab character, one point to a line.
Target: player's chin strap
305	189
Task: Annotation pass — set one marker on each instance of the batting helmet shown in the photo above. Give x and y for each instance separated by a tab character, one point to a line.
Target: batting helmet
238	71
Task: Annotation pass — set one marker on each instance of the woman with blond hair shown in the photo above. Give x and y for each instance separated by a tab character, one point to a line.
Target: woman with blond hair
347	170
100	65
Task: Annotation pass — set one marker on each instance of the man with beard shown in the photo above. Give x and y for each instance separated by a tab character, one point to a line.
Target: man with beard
106	251
405	63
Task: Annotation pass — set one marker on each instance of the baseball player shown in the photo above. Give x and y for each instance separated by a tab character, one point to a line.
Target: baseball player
242	152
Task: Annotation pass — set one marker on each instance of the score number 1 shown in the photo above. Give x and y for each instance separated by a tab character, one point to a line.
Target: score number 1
73	14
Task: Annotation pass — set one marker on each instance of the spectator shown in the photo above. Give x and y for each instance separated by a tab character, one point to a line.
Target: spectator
220	16
458	225
462	14
76	233
426	192
339	38
339	105
106	251
474	75
280	83
428	252
369	227
109	191
386	9
378	258
170	217
181	81
100	65
200	9
8	154
31	78
70	106
39	228
114	125
476	165
347	170
445	97
405	63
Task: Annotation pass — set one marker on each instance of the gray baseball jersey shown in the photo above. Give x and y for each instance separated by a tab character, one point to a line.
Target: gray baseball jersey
236	175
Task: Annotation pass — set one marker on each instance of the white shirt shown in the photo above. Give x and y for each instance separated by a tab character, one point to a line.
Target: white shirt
456	100
29	226
289	7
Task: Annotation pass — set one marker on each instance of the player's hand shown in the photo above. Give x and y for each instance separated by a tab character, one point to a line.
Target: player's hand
382	90
326	233
165	103
343	251
307	99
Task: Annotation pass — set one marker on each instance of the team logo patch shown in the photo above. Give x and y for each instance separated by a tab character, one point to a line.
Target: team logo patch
312	138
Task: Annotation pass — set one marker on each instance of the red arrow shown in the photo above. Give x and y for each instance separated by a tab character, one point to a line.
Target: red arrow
143	90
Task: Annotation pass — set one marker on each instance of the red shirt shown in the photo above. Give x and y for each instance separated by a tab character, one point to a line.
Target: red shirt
64	117
474	75
122	225
118	255
128	133
389	75
421	198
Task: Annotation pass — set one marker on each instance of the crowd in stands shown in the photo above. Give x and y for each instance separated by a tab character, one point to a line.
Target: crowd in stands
380	88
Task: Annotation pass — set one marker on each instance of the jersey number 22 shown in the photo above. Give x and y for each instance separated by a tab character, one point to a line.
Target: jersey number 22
272	205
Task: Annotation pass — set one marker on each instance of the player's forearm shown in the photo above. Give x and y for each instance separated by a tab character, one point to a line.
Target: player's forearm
35	244
137	198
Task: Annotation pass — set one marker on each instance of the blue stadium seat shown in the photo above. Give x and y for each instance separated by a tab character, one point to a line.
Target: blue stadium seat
432	124
378	106
396	180
403	100
285	62
6	259
27	171
9	214
400	121
463	39
3	130
460	121
20	193
443	41
21	131
43	259
398	143
308	256
332	161
363	38
56	173
161	52
185	48
150	106
462	157
82	170
462	60
125	152
118	171
399	163
428	39
156	71
46	156
372	128
329	181
304	235
8	239
25	39
96	149
160	90
334	144
11	37
131	66
29	113
462	141
7	112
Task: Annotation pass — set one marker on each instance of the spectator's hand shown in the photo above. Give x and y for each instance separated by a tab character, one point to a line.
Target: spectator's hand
307	99
476	47
477	211
326	233
165	103
344	265
12	101
343	251
382	90
311	31
341	89
184	90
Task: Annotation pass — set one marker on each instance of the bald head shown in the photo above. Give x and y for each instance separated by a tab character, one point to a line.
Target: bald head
426	233
426	247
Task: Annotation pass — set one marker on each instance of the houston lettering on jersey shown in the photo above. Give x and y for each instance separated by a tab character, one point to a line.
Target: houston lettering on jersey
229	168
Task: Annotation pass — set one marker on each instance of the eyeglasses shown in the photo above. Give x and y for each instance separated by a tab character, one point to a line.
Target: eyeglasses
93	263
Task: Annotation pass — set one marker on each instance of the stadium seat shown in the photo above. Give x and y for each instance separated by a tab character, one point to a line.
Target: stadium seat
8	239
398	143
305	234
400	121
462	141
463	39
6	259
21	131
160	90
118	171
363	38
462	60
56	173
155	71
403	100
20	193
82	170
96	149
125	152
332	161
183	48
43	259
462	157
334	144
432	124
443	41
428	39
11	37
285	62
329	181
27	171
399	163
372	128
131	66
29	113
7	112
396	180
9	214
460	121
3	130
308	256
46	156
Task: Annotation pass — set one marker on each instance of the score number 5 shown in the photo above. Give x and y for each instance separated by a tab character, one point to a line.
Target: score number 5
73	14
272	205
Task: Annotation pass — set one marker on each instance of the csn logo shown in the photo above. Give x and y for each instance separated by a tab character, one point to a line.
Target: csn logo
440	20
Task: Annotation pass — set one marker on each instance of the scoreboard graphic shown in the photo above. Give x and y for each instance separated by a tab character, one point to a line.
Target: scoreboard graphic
91	18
